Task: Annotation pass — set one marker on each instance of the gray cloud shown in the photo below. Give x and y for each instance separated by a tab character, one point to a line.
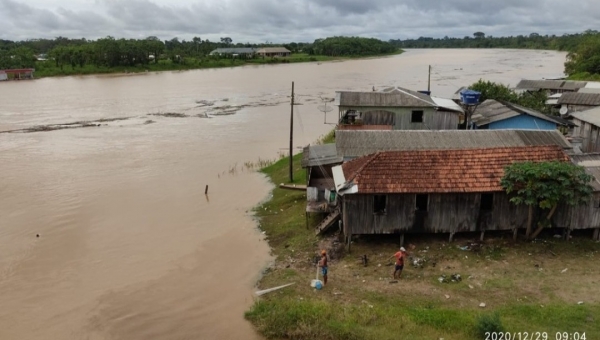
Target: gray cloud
292	20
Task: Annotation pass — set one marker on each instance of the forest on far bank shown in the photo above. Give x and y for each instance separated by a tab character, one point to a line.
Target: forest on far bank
583	58
51	56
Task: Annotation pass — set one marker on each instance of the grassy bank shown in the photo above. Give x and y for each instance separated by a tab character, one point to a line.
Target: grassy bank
524	285
49	68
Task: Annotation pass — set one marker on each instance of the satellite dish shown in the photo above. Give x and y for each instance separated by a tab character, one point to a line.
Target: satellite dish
324	108
563	110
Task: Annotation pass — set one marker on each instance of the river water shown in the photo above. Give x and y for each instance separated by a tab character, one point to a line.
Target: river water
129	246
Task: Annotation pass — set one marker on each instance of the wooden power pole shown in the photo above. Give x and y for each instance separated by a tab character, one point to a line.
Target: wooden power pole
429	79
292	136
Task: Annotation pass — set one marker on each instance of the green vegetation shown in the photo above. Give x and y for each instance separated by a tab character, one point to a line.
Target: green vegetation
62	56
360	303
500	92
583	60
545	185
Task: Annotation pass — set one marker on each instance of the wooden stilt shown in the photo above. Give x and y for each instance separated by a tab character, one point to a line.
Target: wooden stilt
402	240
451	237
349	241
596	236
568	237
481	236
515	233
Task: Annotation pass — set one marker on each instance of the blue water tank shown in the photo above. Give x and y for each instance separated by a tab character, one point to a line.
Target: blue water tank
469	97
425	92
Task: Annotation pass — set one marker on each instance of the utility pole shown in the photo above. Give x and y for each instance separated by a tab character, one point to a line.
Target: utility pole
292	135
429	80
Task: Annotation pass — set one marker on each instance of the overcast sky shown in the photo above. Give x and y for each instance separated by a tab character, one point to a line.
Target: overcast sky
259	21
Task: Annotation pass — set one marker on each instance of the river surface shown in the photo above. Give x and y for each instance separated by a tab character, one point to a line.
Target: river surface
129	246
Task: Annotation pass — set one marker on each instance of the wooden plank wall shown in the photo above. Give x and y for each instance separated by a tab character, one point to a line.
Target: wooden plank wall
446	213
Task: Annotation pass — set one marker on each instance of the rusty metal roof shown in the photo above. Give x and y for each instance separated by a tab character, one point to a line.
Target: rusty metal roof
441	171
567	85
577	98
351	144
317	155
492	111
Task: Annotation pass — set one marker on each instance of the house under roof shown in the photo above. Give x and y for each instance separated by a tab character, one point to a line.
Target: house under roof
393	97
577	98
491	111
351	144
553	85
390	97
273	50
437	171
591	116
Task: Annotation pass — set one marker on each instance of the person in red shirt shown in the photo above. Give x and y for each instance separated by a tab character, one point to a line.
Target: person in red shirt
400	255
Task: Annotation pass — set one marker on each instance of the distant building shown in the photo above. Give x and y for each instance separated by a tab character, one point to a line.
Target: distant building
17	74
273	52
552	86
246	52
587	129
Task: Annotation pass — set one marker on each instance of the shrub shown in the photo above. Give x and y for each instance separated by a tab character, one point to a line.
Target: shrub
488	323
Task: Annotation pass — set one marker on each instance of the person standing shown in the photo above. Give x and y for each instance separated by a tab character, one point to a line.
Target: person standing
400	255
323	266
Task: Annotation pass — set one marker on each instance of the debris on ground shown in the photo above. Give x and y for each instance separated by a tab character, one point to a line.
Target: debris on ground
482	305
418	262
580	303
456	278
394	281
447	296
564	270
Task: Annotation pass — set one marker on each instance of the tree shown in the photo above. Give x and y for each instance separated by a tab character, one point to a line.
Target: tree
500	92
479	35
546	185
226	40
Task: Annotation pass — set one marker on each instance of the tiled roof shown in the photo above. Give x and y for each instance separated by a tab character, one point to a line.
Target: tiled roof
351	144
441	171
576	98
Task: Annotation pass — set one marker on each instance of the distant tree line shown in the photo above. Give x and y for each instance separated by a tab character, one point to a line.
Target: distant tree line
112	52
583	60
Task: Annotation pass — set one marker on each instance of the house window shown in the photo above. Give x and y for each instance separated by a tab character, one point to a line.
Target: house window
422	202
487	202
379	204
416	116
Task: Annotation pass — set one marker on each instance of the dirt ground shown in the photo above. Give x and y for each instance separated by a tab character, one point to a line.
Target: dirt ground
496	271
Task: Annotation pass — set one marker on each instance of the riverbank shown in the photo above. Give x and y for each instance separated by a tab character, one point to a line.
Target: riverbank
49	69
547	286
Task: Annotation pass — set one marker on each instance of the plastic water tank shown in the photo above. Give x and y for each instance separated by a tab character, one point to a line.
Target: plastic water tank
469	97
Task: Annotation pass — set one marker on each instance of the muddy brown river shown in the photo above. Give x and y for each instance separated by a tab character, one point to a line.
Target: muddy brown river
129	246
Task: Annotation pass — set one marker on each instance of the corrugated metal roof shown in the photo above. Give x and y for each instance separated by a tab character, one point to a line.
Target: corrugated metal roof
591	163
273	50
589	90
577	98
448	104
316	155
441	171
391	97
591	116
492	111
547	84
351	144
233	50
